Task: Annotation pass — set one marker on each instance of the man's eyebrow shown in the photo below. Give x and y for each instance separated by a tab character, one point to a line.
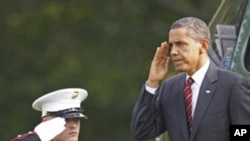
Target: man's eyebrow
179	41
176	42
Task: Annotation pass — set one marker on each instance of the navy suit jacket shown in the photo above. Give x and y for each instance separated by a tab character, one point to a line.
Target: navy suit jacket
224	99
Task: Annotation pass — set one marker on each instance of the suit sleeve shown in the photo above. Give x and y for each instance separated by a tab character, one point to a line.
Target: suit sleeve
240	103
30	136
146	122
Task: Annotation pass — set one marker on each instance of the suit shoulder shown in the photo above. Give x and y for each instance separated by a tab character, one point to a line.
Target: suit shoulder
229	74
30	136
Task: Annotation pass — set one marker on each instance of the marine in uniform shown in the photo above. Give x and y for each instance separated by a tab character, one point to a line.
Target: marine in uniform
61	114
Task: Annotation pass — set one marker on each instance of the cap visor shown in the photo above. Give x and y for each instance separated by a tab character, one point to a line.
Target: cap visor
73	115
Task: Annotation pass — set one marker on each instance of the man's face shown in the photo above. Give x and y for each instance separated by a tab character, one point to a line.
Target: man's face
185	52
71	131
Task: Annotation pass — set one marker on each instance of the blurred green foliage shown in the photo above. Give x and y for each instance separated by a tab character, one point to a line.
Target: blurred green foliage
105	47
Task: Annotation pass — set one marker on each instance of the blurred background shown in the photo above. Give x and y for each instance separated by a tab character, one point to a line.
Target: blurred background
105	47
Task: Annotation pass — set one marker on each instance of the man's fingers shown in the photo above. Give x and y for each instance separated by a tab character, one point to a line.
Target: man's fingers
161	54
156	53
164	48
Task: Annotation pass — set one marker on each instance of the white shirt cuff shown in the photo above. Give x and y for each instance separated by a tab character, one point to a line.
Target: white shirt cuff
150	90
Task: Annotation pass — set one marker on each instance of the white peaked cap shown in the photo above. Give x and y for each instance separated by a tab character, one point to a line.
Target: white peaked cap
60	100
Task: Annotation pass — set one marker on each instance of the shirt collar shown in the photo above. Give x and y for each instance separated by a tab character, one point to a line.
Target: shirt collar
199	75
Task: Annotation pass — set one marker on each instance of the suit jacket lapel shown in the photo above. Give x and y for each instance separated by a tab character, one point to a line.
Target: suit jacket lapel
180	104
205	95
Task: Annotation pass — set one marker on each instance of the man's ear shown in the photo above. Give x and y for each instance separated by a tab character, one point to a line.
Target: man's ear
204	45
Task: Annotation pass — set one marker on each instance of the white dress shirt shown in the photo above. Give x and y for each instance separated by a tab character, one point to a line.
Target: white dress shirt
198	77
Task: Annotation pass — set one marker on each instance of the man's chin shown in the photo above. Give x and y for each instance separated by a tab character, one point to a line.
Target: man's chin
178	69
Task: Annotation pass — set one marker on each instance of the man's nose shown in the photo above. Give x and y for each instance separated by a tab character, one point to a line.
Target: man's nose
173	51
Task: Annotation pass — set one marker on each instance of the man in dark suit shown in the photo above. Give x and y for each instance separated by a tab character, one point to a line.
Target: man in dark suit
202	111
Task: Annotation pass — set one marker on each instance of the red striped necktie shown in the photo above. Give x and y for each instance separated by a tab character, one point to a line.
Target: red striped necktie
188	101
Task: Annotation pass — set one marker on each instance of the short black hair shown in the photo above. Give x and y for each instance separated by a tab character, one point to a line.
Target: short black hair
197	28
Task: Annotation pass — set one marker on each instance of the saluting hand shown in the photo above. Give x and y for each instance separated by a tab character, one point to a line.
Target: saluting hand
48	129
159	66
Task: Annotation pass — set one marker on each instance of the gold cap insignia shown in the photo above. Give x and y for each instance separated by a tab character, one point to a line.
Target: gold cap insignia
75	94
